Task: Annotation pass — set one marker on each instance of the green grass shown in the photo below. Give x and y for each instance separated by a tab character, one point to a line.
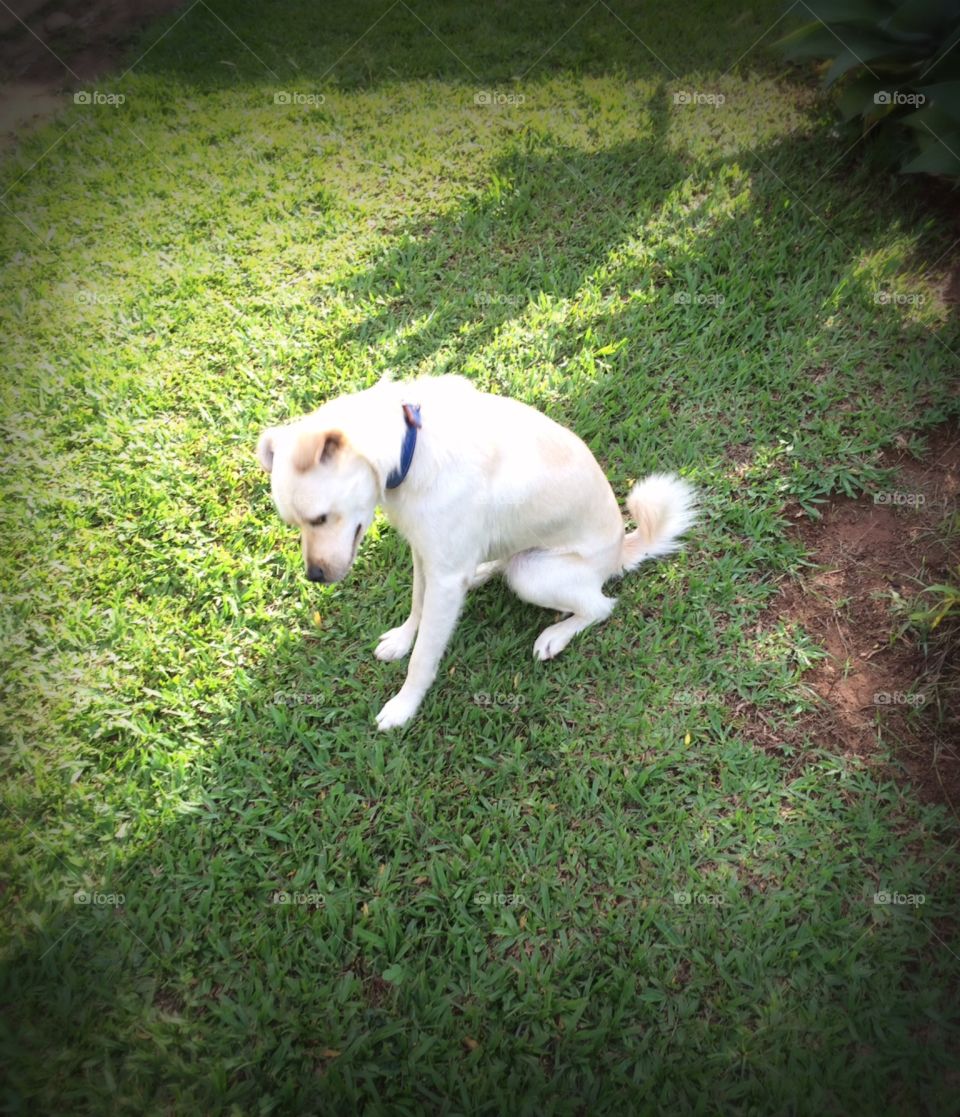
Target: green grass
188	723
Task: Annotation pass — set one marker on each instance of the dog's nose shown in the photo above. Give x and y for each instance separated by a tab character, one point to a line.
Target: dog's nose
316	573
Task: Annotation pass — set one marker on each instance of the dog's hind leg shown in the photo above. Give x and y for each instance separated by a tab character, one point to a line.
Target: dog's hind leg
566	583
397	643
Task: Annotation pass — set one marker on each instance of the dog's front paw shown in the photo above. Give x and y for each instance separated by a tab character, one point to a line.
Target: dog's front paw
395	644
551	642
398	711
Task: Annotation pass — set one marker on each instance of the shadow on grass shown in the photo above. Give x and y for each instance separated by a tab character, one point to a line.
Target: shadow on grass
379	42
210	969
543	227
693	327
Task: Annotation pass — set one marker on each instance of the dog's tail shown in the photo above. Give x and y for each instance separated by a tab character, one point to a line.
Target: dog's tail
663	507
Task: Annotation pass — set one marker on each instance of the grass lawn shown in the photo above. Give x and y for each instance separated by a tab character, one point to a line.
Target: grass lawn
567	888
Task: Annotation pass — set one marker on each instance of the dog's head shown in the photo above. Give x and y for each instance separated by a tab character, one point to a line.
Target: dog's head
321	485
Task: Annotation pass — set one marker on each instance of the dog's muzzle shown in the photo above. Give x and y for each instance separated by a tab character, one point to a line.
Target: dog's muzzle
316	573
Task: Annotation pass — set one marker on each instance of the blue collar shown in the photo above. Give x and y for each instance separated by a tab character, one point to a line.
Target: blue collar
411	415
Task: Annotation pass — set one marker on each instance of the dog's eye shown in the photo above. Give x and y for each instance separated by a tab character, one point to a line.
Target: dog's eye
318	521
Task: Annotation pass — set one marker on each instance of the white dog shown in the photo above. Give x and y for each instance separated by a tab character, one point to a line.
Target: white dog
478	485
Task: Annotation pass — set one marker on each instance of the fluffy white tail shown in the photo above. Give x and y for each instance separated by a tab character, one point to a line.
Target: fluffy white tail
663	506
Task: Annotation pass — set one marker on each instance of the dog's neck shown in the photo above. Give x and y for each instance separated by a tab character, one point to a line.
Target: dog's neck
375	423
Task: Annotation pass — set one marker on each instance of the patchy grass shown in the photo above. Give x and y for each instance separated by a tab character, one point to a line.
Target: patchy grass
593	892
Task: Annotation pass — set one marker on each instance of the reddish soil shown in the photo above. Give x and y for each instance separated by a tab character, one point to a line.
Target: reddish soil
877	685
48	49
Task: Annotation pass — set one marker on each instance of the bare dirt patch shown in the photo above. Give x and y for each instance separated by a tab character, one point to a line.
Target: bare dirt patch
877	687
48	49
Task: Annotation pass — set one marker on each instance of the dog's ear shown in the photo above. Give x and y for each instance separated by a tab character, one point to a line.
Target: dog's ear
265	448
312	447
